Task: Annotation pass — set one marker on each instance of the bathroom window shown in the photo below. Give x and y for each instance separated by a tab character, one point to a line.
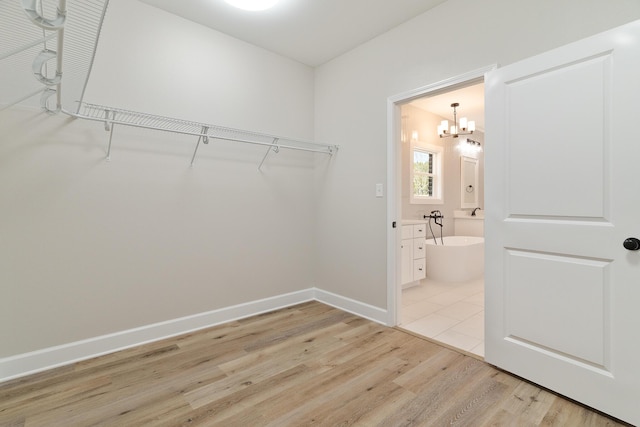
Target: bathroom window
426	174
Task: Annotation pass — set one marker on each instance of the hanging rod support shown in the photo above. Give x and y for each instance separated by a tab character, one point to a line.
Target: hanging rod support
273	147
38	66
204	138
30	8
108	125
47	93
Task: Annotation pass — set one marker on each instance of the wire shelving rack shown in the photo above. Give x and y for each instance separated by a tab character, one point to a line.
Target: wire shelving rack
29	32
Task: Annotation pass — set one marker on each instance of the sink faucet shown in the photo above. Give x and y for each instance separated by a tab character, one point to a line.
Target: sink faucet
474	211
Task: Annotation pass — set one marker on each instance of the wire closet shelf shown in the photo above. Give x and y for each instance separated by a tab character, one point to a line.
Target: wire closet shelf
24	35
203	131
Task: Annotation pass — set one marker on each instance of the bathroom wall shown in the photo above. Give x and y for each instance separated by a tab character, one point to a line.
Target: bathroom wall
90	247
352	95
421	122
425	123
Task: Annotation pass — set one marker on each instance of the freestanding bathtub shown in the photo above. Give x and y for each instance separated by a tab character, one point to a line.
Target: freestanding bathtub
461	258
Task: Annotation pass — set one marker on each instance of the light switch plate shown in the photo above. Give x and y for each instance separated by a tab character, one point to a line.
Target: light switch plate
379	190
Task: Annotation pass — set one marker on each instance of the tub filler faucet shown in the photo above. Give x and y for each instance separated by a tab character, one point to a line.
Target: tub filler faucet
436	216
474	211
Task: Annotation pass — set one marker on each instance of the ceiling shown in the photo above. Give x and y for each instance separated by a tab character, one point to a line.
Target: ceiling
308	31
315	31
470	98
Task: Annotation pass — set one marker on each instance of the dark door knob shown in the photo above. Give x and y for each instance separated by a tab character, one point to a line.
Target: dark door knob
632	244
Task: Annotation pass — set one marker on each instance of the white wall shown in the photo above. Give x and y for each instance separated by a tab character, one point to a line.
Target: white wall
351	109
89	247
153	61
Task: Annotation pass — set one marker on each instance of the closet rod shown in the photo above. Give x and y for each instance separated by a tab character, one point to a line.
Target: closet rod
167	124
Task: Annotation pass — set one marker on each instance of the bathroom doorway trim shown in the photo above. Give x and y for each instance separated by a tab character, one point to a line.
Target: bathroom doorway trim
394	181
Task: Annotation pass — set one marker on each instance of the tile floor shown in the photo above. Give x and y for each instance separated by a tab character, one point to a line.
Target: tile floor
452	313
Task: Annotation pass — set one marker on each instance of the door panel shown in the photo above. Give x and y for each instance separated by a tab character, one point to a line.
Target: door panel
571	102
562	193
567	298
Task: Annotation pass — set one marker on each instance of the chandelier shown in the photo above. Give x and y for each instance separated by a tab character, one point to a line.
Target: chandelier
463	128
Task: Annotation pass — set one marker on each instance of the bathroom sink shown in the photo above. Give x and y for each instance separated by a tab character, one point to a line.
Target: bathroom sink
466	214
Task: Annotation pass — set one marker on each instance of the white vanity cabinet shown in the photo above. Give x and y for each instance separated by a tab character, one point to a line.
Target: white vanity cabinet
412	253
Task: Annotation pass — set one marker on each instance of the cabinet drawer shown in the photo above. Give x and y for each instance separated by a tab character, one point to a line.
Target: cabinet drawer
407	231
418	248
419	269
419	230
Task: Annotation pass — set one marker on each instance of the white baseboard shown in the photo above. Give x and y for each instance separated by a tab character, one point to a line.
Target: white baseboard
36	361
358	308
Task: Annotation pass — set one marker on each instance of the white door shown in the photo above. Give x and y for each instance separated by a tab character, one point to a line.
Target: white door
562	194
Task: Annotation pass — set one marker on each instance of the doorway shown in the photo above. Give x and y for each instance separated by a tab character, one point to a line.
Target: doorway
450	312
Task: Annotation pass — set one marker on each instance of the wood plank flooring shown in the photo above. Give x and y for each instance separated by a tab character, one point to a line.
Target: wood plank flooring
310	364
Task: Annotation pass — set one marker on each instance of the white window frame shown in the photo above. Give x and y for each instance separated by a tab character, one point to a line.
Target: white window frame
438	175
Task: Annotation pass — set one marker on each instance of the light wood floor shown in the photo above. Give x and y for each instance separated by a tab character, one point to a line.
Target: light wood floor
305	365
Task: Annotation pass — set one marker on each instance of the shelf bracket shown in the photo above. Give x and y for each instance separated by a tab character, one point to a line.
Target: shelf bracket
274	147
46	94
38	64
107	123
204	138
30	8
108	126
